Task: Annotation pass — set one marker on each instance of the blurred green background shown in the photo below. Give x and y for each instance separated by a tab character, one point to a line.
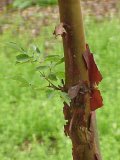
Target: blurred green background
31	122
27	3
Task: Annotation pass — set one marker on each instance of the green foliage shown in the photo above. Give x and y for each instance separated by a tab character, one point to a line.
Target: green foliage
52	77
65	98
22	58
21	4
23	82
31	120
46	69
40	68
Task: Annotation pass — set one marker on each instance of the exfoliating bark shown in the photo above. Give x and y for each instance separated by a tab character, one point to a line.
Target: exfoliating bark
80	127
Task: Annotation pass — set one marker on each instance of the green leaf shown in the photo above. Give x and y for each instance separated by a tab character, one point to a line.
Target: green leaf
65	97
23	50
36	49
23	82
52	76
60	75
52	58
49	93
22	5
19	78
61	61
17	47
39	68
41	89
22	58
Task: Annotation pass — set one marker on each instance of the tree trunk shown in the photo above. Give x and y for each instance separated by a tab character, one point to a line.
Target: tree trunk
80	126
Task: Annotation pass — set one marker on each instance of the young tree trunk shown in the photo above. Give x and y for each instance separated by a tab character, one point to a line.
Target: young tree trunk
80	127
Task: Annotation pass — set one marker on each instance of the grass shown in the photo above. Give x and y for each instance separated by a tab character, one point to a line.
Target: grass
21	4
31	123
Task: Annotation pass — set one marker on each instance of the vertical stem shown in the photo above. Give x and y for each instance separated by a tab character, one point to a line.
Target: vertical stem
70	14
75	70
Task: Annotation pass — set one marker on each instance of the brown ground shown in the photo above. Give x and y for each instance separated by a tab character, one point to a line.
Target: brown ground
97	8
39	16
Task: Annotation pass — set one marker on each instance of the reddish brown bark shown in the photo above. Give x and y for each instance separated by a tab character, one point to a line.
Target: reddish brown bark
80	125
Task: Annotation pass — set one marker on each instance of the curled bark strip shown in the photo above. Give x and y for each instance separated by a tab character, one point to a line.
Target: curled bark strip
77	94
81	87
94	74
97	157
95	77
60	30
73	91
96	100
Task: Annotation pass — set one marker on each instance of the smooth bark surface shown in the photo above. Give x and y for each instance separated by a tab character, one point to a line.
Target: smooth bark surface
85	144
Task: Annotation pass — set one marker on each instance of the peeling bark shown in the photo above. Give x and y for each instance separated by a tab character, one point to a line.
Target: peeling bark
80	126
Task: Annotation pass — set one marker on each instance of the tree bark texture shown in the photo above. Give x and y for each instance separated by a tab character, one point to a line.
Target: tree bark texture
81	121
